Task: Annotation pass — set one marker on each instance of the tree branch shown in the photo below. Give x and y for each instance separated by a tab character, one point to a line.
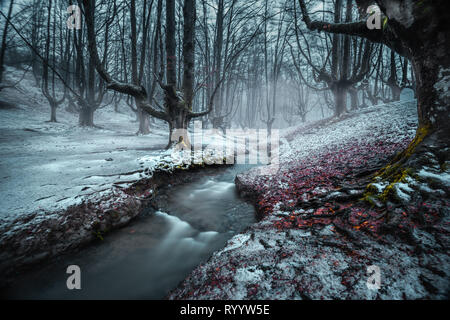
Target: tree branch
359	28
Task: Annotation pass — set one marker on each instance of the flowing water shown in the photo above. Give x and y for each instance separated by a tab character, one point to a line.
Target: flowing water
150	256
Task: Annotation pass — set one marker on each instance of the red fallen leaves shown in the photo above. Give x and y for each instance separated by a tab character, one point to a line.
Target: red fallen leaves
286	254
324	211
252	290
321	174
304	223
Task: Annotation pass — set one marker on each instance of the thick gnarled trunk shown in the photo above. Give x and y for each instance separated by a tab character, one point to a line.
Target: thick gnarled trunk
420	31
433	97
178	125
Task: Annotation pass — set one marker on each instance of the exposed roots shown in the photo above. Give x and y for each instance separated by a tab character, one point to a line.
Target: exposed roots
401	172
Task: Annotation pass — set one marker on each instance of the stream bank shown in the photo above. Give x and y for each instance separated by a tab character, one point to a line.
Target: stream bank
321	237
157	249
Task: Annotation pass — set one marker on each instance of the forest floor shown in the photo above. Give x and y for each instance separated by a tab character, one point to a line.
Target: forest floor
48	166
62	186
318	238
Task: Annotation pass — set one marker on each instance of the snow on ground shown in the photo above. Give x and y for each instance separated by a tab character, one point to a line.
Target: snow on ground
357	128
316	238
49	166
62	186
294	252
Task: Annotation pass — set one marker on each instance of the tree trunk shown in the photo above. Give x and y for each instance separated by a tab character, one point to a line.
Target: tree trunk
3	47
353	98
189	52
178	125
86	117
421	32
218	56
144	124
171	59
433	80
269	126
340	100
53	107
392	81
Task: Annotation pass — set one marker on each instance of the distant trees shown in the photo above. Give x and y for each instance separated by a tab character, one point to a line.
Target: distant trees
177	110
349	63
180	96
420	32
219	60
228	62
64	53
4	39
395	83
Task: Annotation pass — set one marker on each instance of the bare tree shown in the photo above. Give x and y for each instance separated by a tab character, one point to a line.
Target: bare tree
4	37
50	95
427	48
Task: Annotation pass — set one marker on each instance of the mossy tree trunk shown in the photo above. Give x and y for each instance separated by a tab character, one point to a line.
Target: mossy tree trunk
419	31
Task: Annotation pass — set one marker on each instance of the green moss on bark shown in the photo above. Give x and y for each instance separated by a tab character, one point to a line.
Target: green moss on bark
395	172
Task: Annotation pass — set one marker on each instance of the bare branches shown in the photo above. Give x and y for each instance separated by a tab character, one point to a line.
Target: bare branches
14	85
359	28
137	91
45	61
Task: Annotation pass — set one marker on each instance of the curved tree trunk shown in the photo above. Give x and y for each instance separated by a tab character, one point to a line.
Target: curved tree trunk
420	31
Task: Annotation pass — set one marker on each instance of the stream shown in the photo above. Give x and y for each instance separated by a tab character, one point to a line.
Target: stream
151	255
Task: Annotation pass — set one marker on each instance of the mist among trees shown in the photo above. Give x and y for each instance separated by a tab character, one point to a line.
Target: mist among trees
94	94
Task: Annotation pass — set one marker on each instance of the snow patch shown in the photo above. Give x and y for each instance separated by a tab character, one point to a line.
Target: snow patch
443	177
